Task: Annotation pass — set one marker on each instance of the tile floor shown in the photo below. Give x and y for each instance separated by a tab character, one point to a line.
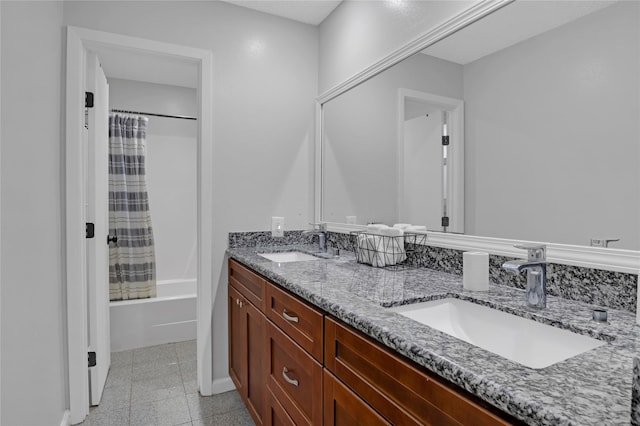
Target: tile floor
157	386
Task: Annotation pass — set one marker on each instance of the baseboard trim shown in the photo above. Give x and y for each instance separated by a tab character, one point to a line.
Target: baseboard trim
222	385
65	418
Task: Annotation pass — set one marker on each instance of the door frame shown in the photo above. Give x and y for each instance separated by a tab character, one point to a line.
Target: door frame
455	169
78	41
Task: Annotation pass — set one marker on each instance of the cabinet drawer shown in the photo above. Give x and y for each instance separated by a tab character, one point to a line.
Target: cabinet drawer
294	378
342	407
248	283
300	321
401	392
277	415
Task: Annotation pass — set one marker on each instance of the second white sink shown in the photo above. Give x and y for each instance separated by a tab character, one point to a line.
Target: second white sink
289	256
521	340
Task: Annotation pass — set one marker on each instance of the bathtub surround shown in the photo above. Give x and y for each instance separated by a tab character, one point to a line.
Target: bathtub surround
168	318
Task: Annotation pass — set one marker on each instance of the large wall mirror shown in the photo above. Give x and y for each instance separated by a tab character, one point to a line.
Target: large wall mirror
541	105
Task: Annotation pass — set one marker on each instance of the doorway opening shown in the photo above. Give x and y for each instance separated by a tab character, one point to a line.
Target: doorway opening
430	160
81	44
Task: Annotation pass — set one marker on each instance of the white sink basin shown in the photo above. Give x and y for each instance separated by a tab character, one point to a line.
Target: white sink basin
290	256
521	340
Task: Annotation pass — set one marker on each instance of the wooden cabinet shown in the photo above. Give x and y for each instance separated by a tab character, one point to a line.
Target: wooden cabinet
402	392
302	322
237	351
246	340
248	283
276	414
278	344
294	377
275	350
342	407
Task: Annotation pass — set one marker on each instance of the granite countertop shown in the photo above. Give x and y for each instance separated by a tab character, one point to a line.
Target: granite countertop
593	388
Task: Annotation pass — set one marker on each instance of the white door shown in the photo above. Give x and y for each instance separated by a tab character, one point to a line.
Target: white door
98	213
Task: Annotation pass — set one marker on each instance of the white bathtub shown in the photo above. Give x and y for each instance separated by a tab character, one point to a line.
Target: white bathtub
169	317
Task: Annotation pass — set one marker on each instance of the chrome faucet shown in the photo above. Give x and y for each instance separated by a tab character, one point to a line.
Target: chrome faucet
321	232
600	242
536	267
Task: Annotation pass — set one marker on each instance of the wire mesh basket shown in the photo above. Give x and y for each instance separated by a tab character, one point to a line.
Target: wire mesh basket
384	251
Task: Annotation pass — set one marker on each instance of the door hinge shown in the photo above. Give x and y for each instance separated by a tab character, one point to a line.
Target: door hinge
90	230
88	99
445	221
92	359
445	140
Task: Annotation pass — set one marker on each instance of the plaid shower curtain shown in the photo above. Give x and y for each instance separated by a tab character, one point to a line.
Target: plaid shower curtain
132	265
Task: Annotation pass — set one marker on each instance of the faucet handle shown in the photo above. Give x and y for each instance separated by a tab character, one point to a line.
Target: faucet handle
534	251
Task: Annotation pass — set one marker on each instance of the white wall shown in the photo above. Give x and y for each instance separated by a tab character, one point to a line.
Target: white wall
561	146
361	150
359	33
33	294
265	83
171	170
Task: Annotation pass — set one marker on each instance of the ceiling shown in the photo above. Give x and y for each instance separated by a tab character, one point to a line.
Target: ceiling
307	11
137	66
512	24
133	65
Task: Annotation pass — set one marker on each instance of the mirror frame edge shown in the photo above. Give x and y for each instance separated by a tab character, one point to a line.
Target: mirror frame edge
625	261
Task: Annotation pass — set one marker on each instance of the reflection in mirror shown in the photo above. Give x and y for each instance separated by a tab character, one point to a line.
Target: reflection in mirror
382	146
551	129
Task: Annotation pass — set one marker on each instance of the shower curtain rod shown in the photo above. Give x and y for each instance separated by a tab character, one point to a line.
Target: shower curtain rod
183	117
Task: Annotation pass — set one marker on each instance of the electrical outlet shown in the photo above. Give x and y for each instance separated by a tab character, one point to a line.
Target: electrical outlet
277	226
351	220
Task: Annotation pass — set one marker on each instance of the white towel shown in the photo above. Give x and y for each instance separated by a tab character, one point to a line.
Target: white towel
392	232
363	255
381	246
392	248
368	249
375	228
416	228
402	226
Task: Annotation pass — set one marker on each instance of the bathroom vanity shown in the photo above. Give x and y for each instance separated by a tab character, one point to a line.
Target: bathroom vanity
312	342
297	374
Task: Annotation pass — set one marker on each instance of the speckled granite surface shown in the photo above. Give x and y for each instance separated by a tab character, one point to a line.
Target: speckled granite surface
593	388
264	238
611	289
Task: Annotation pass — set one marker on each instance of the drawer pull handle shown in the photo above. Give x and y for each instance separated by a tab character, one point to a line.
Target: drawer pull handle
289	317
287	378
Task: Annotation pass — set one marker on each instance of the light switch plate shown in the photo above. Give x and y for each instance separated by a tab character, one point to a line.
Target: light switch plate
277	226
